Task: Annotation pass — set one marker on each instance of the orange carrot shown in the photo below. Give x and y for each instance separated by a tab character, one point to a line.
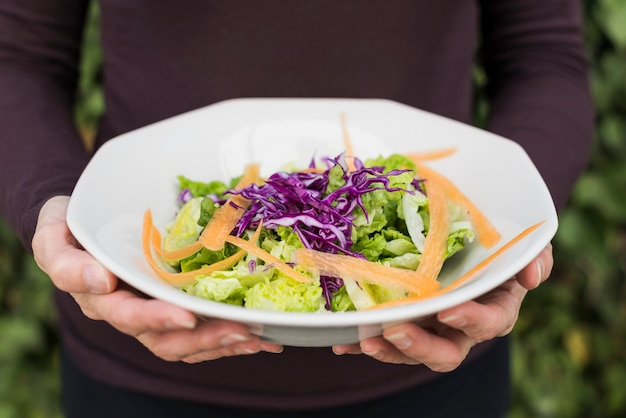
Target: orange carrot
345	266
179	254
250	176
435	244
432	155
347	143
268	258
468	276
151	236
312	170
226	217
486	232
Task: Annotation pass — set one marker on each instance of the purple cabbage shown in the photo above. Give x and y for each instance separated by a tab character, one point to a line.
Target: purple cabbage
299	200
323	221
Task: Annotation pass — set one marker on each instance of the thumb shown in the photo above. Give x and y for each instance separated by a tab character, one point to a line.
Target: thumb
57	253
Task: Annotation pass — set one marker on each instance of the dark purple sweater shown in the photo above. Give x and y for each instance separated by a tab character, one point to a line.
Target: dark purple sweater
164	57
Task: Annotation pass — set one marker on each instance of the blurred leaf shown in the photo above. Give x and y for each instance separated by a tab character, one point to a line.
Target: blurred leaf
612	133
612	16
577	344
578	232
608	87
604	191
18	335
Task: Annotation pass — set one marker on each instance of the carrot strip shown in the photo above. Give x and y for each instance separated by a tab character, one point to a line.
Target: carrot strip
251	175
436	240
347	143
312	170
226	217
486	232
432	155
151	235
268	258
345	266
181	279
468	276
179	254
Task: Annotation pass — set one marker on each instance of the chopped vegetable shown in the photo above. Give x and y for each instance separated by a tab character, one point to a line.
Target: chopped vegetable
468	276
268	258
152	239
226	217
432	155
436	240
487	234
349	150
338	265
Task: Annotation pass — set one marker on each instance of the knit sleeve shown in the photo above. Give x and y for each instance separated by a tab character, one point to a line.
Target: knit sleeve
538	88
42	154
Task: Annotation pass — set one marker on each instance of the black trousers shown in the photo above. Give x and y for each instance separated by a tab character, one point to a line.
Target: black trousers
477	389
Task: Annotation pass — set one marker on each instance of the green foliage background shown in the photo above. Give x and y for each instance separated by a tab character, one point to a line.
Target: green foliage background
569	346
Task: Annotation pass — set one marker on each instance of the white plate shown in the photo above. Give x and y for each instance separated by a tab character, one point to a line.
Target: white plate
138	170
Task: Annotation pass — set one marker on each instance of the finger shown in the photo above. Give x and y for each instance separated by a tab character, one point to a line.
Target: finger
236	349
384	351
210	340
440	350
271	348
57	253
347	349
134	315
490	316
538	270
74	270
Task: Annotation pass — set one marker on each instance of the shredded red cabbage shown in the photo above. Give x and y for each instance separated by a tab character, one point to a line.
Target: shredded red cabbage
322	221
185	195
298	200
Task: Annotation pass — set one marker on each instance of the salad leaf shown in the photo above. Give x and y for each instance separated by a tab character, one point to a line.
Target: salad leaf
392	162
371	246
184	229
201	189
340	301
228	290
206	257
413	211
366	295
285	294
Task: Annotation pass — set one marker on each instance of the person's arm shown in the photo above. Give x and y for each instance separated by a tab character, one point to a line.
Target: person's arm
42	157
42	154
538	88
539	97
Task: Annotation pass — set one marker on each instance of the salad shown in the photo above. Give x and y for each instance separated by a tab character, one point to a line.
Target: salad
339	235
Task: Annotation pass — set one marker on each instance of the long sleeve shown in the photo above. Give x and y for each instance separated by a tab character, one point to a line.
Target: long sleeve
539	95
42	154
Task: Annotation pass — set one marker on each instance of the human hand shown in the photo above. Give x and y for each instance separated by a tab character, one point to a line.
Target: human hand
170	332
443	342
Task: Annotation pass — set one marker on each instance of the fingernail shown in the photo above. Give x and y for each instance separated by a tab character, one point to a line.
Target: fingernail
400	340
180	323
234	338
374	353
95	279
244	350
454	320
276	350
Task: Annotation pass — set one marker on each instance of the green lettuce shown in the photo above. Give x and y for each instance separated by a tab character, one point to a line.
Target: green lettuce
285	294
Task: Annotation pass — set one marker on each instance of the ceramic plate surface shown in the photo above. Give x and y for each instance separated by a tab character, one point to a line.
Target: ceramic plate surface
137	171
